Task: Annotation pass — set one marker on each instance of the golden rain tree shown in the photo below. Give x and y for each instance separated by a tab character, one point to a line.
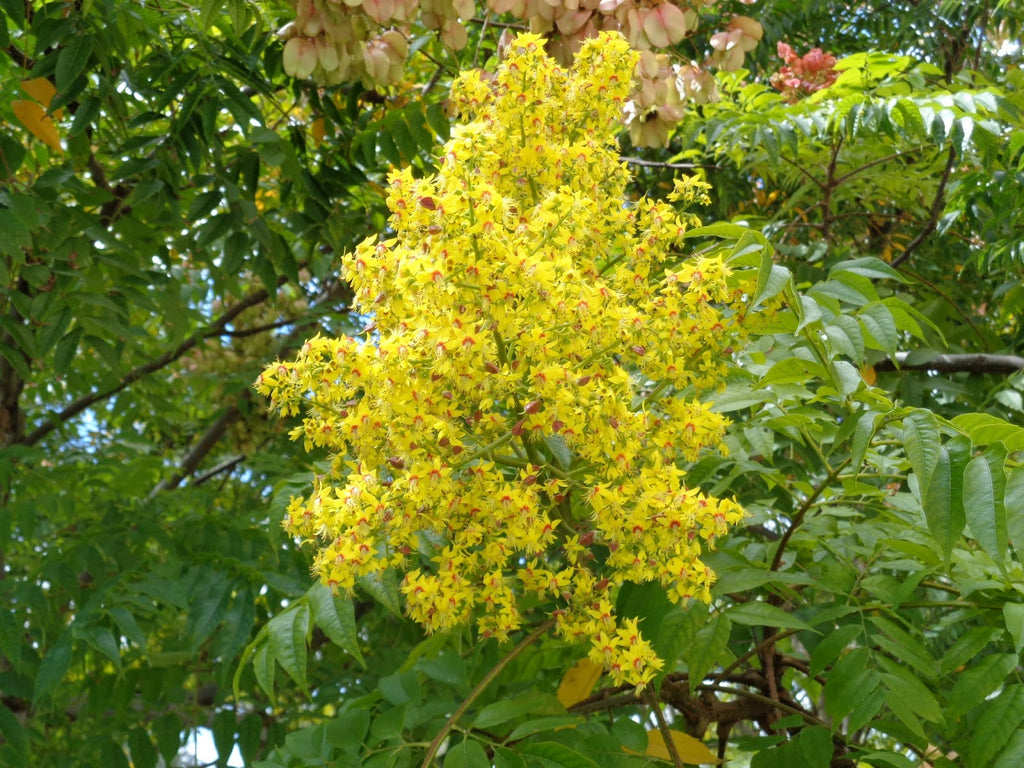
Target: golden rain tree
508	430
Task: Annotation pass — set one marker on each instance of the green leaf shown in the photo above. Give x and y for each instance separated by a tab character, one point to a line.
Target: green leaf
904	647
831	646
758	614
499	712
102	639
467	754
883	758
72	60
250	729
969	645
288	633
708	646
868	266
943	503
140	745
168	730
983	489
551	754
384	589
52	668
862	435
922	442
1013	617
903	684
264	667
792	370
849	683
646	602
337	618
775	279
400	688
984	429
207	608
542	724
438	121
880	326
506	758
223	729
975	683
845	336
559	450
1012	755
1002	716
128	626
14	734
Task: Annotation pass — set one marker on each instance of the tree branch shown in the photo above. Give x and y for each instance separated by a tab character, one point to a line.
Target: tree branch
73	409
933	217
199	451
974	364
224	466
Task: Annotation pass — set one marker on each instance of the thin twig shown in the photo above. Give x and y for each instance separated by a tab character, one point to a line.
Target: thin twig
933	217
666	734
525	643
798	518
877	161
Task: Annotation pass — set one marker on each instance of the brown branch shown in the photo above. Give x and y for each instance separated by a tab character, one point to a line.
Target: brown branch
828	188
973	364
870	164
224	466
666	732
933	215
15	54
801	513
819	184
198	452
73	409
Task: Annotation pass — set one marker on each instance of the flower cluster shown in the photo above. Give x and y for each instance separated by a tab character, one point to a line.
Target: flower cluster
509	431
802	76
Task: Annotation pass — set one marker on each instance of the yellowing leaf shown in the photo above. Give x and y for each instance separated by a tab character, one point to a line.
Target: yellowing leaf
868	374
40	89
33	116
318	130
578	682
691	751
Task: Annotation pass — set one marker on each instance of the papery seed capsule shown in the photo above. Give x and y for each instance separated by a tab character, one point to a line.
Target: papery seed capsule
532	407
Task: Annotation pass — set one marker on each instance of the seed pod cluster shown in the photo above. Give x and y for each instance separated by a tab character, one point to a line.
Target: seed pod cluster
335	41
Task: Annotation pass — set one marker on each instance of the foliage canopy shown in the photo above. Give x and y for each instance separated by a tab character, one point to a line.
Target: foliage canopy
173	215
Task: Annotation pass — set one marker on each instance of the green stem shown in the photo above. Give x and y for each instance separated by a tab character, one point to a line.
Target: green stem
525	643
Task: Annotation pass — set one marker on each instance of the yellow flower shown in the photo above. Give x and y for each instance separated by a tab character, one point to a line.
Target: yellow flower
510	435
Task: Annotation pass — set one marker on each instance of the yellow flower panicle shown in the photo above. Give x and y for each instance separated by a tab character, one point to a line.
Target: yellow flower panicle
510	432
